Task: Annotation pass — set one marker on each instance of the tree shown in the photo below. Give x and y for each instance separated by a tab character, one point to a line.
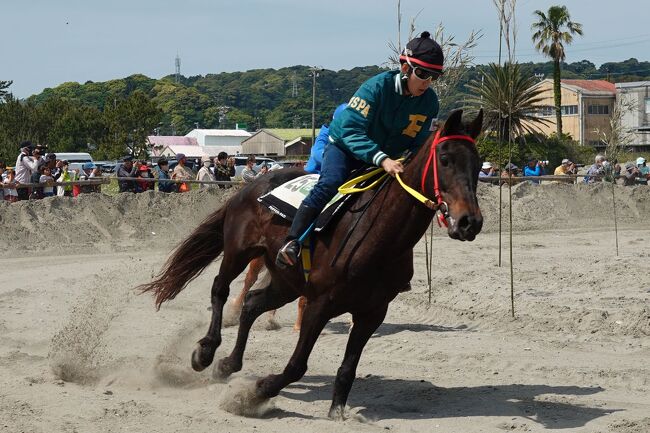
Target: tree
553	31
509	101
4	85
128	123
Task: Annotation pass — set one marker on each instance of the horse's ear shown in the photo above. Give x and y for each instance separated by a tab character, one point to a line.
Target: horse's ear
476	125
453	123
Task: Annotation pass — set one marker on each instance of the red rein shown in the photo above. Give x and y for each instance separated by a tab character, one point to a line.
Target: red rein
432	160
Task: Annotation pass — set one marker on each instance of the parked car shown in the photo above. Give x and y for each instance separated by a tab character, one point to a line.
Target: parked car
76	160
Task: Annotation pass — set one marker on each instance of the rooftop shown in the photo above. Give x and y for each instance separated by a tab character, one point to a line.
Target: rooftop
219	132
592	85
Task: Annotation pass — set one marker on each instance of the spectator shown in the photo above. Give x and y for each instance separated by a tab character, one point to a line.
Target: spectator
224	168
64	176
47	179
487	170
316	157
565	169
182	172
9	183
596	171
509	170
630	174
534	168
87	174
37	191
144	173
644	171
3	176
127	169
248	173
26	164
204	174
162	171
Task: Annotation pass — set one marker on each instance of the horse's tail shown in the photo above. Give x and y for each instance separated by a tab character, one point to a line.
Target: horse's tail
189	259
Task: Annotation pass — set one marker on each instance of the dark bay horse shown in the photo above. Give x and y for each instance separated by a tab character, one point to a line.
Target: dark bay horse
373	267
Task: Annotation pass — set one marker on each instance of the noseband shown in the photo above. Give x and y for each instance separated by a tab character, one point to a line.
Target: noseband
440	204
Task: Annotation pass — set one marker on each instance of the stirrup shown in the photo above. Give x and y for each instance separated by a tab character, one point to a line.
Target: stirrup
288	254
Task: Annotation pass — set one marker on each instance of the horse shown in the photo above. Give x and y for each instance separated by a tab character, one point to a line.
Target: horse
358	271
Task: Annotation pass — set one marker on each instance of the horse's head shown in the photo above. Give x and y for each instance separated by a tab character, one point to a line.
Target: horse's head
456	167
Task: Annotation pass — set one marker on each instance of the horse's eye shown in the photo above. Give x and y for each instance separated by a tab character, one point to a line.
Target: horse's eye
444	160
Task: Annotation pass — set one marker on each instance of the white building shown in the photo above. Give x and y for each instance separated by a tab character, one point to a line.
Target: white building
226	140
635	96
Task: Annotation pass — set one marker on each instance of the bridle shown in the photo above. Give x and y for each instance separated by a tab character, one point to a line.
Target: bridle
439	204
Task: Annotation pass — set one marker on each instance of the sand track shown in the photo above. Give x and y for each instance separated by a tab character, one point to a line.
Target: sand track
80	351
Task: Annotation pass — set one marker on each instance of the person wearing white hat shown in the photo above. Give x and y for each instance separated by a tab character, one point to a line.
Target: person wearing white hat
486	170
205	174
644	170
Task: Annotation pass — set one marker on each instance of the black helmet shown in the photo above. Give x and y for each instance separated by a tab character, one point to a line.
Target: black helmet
423	52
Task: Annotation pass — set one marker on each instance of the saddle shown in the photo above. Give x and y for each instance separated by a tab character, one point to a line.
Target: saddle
285	199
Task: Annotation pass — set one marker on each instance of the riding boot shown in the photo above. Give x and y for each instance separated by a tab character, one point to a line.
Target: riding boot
289	253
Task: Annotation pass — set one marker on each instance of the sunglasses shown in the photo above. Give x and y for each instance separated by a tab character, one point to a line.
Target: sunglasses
425	74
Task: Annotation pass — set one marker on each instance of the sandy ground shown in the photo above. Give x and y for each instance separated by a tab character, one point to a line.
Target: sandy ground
81	352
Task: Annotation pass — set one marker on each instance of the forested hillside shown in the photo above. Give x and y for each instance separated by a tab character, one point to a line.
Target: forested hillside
107	115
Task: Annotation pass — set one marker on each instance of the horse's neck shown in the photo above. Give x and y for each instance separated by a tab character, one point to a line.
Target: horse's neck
407	219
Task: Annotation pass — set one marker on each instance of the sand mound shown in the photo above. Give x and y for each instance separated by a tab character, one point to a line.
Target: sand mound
153	218
115	222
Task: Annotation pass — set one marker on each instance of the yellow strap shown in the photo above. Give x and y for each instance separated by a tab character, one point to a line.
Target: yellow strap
349	186
306	259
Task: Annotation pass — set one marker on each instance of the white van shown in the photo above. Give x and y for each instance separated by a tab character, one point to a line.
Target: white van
76	160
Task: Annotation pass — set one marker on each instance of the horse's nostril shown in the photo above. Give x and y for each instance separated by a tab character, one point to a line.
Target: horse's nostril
469	224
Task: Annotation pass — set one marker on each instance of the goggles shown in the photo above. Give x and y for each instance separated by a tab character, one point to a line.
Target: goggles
425	74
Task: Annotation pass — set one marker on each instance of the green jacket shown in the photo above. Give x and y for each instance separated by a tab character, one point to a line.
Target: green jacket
381	122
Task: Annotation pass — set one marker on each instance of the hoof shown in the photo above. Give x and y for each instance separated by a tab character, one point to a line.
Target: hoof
337	412
225	368
202	357
241	398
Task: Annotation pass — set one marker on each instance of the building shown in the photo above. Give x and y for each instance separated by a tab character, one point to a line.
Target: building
192	152
158	142
635	98
218	140
586	109
279	142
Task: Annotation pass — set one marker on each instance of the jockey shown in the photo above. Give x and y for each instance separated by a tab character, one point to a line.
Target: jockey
390	113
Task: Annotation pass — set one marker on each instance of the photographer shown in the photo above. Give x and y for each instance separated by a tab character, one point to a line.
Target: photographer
26	165
566	168
534	168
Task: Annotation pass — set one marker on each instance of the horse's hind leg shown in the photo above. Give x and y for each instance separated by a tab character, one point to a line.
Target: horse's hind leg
364	326
257	302
233	308
231	266
317	313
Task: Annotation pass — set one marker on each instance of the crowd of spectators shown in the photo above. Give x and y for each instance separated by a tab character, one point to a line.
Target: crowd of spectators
628	174
45	173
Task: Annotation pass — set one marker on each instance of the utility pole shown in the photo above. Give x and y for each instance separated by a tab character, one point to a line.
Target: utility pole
314	74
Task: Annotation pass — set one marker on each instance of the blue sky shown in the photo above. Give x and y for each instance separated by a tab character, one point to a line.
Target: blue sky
46	43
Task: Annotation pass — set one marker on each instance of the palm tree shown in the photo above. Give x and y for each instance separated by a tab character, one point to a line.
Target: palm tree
549	38
509	101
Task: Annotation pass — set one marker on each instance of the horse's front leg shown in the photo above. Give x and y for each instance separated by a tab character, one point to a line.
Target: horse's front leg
231	266
364	326
317	313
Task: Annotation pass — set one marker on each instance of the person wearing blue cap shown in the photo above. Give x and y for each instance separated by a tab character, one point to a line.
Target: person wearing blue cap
316	155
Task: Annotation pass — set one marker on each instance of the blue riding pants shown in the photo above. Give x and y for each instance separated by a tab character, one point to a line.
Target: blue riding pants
336	168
